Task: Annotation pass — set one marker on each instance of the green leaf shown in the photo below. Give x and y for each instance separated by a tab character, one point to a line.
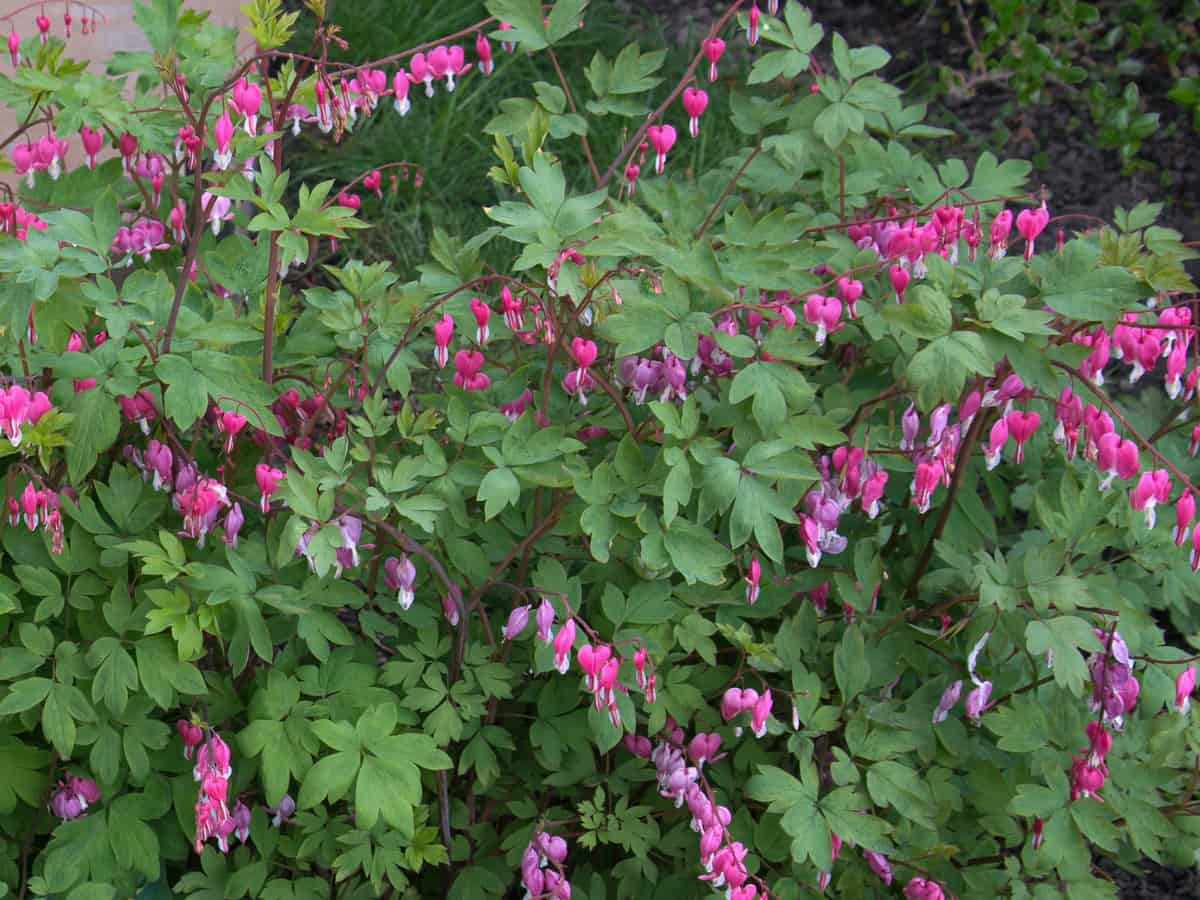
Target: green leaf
1063	637
186	398
116	676
695	553
23	774
93	431
836	121
893	784
329	779
25	695
1036	800
851	668
1076	286
925	313
159	22
498	489
134	843
525	18
940	370
772	385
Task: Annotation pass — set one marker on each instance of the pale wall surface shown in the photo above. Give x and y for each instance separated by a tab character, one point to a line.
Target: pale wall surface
118	33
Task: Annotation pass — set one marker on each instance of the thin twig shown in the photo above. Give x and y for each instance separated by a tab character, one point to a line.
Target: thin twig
712	213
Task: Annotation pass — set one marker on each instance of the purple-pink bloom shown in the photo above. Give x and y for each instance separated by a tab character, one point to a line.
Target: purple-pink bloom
517	620
949	699
399	574
879	865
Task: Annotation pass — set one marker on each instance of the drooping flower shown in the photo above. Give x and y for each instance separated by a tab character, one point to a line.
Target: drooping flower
823	312
192	734
284	811
1153	488
921	888
925	482
93	142
346	556
268	479
223	137
247	98
753	575
1031	223
761	713
1021	426
484	51
713	48
482	313
949	699
899	278
400	575
234	520
19	407
230	424
879	865
467	374
443	330
72	797
219	210
517	620
563	642
1185	683
545	621
695	101
662	139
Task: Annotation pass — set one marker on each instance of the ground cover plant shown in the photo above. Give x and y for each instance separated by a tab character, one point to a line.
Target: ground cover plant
764	528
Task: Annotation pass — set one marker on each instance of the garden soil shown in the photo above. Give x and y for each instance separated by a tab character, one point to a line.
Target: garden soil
1057	137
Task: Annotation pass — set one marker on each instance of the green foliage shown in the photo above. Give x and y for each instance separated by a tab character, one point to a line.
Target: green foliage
655	441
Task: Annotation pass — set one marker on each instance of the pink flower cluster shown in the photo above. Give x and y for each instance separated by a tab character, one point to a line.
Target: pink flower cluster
346	556
72	797
361	94
921	888
18	407
200	499
306	422
542	871
76	343
47	154
38	507
141	238
212	772
722	858
847	475
17	221
665	379
736	701
1140	346
600	668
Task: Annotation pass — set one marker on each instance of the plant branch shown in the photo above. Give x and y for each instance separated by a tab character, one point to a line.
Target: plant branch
636	139
712	213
